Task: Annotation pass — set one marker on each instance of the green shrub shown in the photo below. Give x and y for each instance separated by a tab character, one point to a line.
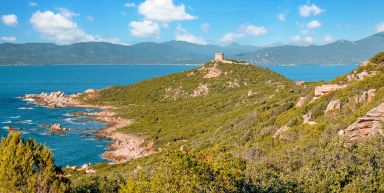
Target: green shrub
26	166
378	58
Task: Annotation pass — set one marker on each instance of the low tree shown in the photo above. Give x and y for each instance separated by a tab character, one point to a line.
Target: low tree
26	166
186	172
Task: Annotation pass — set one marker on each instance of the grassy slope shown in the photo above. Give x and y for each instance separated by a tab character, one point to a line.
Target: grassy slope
229	119
166	120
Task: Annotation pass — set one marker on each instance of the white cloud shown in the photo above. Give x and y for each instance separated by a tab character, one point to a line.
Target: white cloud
59	27
328	38
243	30
231	37
302	40
183	35
204	27
130	4
308	40
144	28
163	11
67	13
308	10
296	39
32	4
380	27
109	40
313	24
282	17
252	30
9	20
8	38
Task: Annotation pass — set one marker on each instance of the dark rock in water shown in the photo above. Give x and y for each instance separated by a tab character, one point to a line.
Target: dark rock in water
78	114
55	128
86	135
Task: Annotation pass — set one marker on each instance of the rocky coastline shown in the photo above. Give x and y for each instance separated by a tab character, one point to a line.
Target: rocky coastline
124	147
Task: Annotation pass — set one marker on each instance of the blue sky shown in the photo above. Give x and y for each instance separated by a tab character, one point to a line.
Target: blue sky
254	22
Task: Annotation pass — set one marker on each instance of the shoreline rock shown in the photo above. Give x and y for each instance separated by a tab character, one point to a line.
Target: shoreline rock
55	128
125	147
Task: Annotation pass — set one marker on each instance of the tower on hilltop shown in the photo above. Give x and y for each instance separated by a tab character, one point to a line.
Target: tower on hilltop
219	56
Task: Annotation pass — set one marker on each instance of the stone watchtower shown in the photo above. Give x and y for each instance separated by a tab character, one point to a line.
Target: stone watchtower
219	56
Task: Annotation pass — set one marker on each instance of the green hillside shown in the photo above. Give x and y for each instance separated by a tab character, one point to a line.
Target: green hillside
227	134
166	109
232	127
339	52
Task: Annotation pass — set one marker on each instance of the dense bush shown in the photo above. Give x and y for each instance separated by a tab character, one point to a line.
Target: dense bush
378	58
184	172
96	184
26	166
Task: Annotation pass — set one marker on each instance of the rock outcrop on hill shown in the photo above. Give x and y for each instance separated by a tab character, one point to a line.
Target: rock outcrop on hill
365	96
279	133
212	72
201	90
333	105
366	126
308	119
328	88
360	76
301	101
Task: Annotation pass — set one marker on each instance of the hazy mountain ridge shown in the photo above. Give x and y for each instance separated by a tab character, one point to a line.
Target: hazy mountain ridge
172	52
339	52
177	52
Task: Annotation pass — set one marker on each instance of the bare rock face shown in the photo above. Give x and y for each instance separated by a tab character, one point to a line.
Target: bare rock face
333	105
301	101
201	90
370	124
233	84
52	100
360	76
251	93
366	96
326	89
370	94
279	132
213	72
307	119
174	93
55	128
89	91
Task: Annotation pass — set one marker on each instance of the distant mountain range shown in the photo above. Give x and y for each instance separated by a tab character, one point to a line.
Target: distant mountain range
177	52
339	52
172	52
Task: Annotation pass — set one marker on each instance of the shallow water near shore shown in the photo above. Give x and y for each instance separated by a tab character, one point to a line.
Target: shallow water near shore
78	146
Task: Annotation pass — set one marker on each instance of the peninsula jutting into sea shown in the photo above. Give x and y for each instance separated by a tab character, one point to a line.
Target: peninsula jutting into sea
191	96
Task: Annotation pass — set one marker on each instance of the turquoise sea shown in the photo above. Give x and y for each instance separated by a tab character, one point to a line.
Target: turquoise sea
78	146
